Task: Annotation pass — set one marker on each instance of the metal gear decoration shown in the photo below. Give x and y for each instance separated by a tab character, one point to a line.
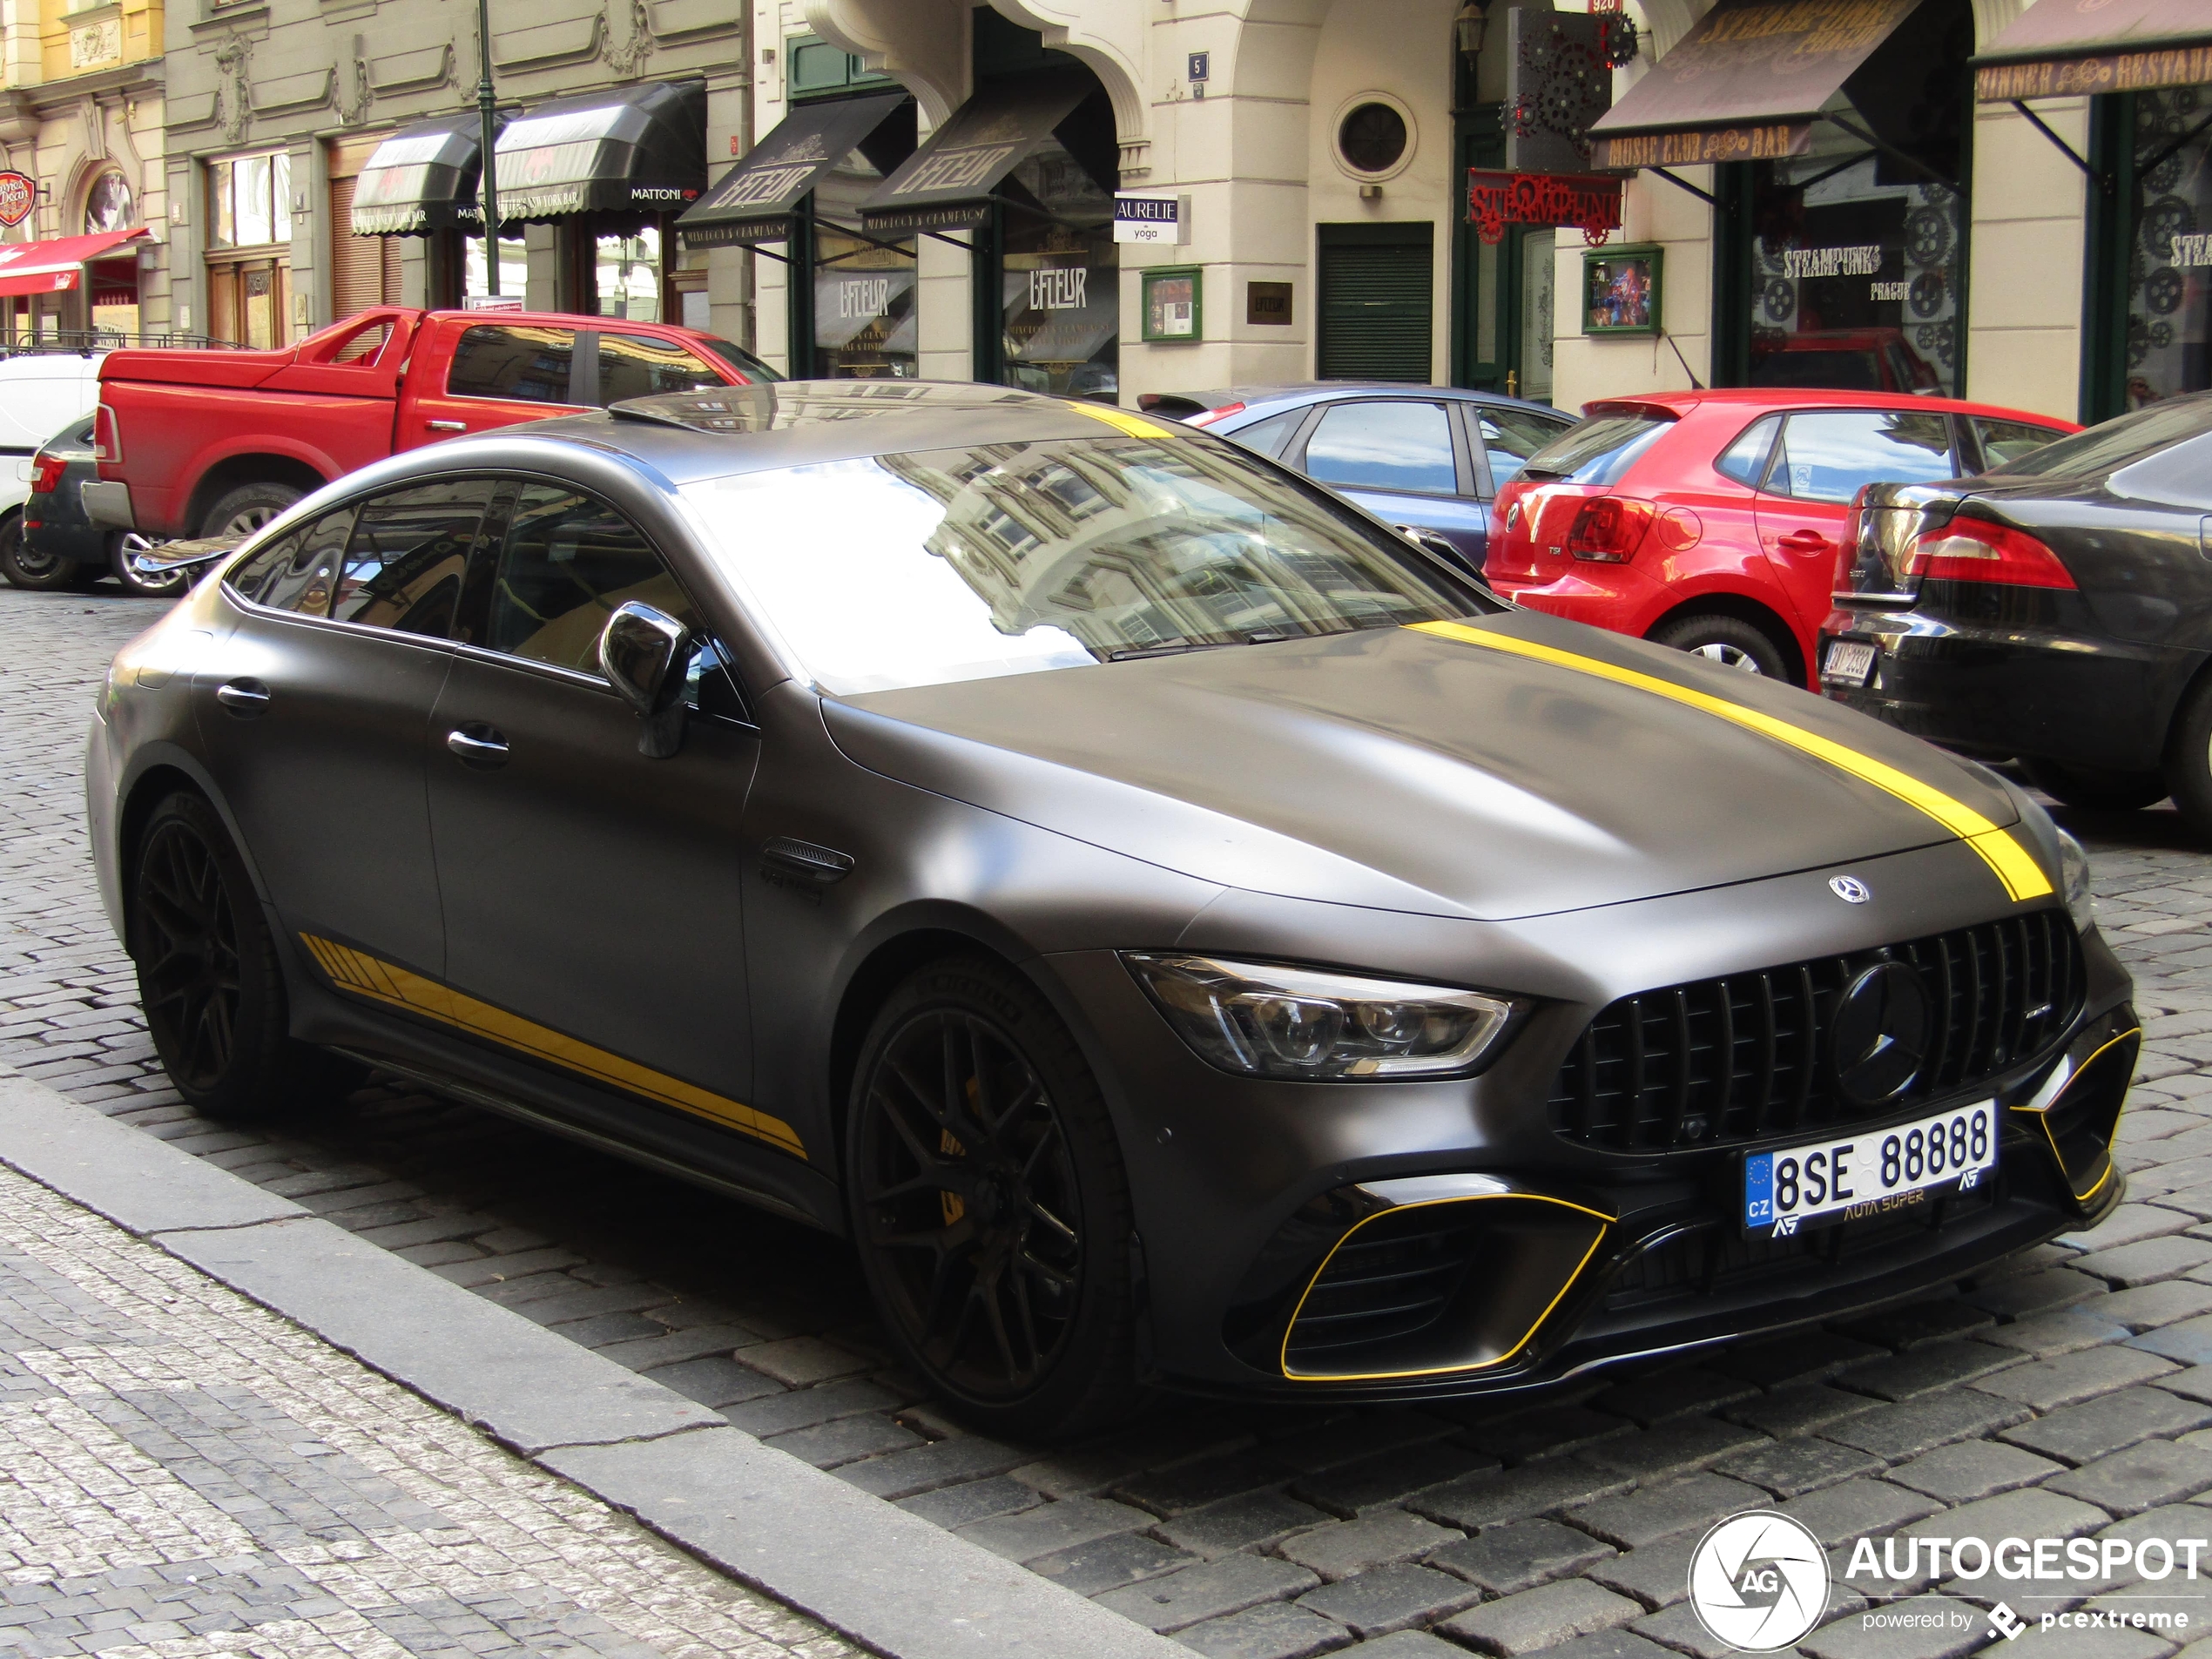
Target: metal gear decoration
1616	36
1937	339
1928	293
2138	343
1566	84
2164	176
1927	236
1770	257
1779	301
2164	292
2164	220
2160	335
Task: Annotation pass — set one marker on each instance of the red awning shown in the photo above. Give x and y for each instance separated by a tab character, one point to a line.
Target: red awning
57	263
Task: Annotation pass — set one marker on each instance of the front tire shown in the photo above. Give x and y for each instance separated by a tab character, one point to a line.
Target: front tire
2188	760
1728	642
208	975
990	1206
245	509
2095	789
23	566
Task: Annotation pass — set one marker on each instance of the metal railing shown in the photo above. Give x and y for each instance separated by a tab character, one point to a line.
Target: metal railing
85	341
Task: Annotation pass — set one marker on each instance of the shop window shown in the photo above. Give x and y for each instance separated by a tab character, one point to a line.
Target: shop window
812	67
1060	287
626	274
249	200
2169	281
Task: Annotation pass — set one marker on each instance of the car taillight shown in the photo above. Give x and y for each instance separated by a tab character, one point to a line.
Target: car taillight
107	439
1608	530
1974	549
1207	417
46	473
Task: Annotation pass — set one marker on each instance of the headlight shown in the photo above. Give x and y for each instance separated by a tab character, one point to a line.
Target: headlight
1307	1024
2073	878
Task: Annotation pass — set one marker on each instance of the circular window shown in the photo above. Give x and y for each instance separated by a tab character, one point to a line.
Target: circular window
1373	137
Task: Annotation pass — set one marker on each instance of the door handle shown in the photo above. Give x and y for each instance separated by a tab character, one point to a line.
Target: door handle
245	699
477	745
1804	541
448	426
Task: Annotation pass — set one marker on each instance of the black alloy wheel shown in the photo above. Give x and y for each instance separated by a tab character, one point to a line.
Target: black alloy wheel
208	975
26	567
989	1203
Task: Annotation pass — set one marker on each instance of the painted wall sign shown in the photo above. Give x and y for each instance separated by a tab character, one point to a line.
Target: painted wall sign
1159	220
1707	144
1585	201
18	195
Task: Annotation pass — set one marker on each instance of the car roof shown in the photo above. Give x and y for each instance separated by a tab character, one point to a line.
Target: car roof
1810	397
716	432
1289	391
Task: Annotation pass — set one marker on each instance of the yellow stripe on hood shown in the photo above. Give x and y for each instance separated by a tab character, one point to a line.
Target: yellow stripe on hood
2014	867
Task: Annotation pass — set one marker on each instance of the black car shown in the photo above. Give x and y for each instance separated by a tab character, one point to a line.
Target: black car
59	546
1180	932
2057	609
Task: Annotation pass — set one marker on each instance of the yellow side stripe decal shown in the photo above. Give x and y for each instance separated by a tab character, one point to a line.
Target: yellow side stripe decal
364	976
2012	863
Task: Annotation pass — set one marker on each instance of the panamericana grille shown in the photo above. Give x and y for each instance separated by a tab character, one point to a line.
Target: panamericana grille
1724	1061
1391	1279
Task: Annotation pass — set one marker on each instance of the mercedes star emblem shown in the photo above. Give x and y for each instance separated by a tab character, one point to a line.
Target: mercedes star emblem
1881	1033
1850	889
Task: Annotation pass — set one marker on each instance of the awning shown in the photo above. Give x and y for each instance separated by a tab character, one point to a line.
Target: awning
1745	84
630	149
947	183
756	198
2066	48
57	264
422	179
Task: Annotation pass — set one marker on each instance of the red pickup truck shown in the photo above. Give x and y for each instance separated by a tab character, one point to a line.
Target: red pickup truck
215	443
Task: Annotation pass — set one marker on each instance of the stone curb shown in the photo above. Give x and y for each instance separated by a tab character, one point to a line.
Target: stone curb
886	1579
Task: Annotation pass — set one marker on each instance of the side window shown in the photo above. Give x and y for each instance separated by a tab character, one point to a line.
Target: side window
566	563
403	567
296	572
1745	460
639	366
2005	441
521	365
1831	454
1270	435
1393	444
1510	438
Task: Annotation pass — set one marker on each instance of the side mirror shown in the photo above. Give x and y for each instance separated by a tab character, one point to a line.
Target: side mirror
644	653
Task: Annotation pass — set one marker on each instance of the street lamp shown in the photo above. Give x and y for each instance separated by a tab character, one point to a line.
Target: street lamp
487	183
1468	25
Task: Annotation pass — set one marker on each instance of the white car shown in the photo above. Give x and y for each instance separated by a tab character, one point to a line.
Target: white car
40	393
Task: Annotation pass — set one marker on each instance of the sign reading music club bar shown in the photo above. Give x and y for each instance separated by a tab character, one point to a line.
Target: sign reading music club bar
1702	145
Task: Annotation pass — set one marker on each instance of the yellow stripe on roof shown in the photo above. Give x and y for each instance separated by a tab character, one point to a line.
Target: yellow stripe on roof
1135	425
2013	866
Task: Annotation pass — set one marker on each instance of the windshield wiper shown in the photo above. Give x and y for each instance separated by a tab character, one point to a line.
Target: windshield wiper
1263	637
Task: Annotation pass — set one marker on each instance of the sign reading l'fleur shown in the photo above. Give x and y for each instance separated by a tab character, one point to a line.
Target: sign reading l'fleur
1586	201
18	195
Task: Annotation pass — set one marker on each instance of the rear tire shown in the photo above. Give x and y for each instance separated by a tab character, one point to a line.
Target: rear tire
2189	759
1728	642
2096	789
990	1205
245	509
209	978
35	572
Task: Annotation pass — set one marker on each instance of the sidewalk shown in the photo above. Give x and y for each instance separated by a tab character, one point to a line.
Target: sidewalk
184	1473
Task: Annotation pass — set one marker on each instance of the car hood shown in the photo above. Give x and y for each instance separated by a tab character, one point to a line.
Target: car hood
1422	772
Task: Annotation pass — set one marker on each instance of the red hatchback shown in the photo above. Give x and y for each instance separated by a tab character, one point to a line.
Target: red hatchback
1708	520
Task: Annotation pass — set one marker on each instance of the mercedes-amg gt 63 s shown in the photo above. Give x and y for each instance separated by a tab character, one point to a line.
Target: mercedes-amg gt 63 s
1181	933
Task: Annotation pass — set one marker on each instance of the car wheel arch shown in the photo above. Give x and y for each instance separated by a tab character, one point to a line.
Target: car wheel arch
156	776
233	472
1743	609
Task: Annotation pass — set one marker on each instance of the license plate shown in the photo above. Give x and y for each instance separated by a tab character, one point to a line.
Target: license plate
1850	662
1846	1176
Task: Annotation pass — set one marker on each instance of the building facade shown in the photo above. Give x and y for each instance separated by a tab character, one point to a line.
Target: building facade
81	114
278	109
1906	233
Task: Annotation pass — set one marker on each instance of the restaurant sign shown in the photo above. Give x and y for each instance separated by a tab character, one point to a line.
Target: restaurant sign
2113	71
18	195
1584	201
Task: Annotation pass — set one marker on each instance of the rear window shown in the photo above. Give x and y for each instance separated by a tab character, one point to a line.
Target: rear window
2108	448
1599	449
1828	371
741	359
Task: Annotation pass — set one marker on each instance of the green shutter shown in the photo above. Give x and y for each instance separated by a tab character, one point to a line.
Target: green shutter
1376	304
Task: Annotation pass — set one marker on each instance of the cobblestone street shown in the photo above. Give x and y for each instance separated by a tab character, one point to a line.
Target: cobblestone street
2070	1397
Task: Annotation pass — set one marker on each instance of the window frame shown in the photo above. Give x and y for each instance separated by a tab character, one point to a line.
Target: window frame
576	370
1765	486
1472	412
1467	480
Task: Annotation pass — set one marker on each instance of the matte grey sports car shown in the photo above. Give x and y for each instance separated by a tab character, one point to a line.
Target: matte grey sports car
1181	933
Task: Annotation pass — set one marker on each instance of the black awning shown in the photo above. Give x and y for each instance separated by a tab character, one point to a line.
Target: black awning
2056	50
630	149
756	198
1744	85
421	178
949	182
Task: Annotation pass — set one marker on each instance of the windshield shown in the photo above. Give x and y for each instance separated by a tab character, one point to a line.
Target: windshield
741	359
2106	448
1598	449
1010	558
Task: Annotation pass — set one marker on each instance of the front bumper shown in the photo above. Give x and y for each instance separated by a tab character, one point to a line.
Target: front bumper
2035	677
1543	1256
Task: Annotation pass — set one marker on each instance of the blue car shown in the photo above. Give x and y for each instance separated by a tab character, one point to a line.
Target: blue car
1428	458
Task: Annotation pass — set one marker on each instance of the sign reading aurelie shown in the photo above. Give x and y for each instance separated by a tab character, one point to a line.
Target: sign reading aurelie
1581	200
1161	219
